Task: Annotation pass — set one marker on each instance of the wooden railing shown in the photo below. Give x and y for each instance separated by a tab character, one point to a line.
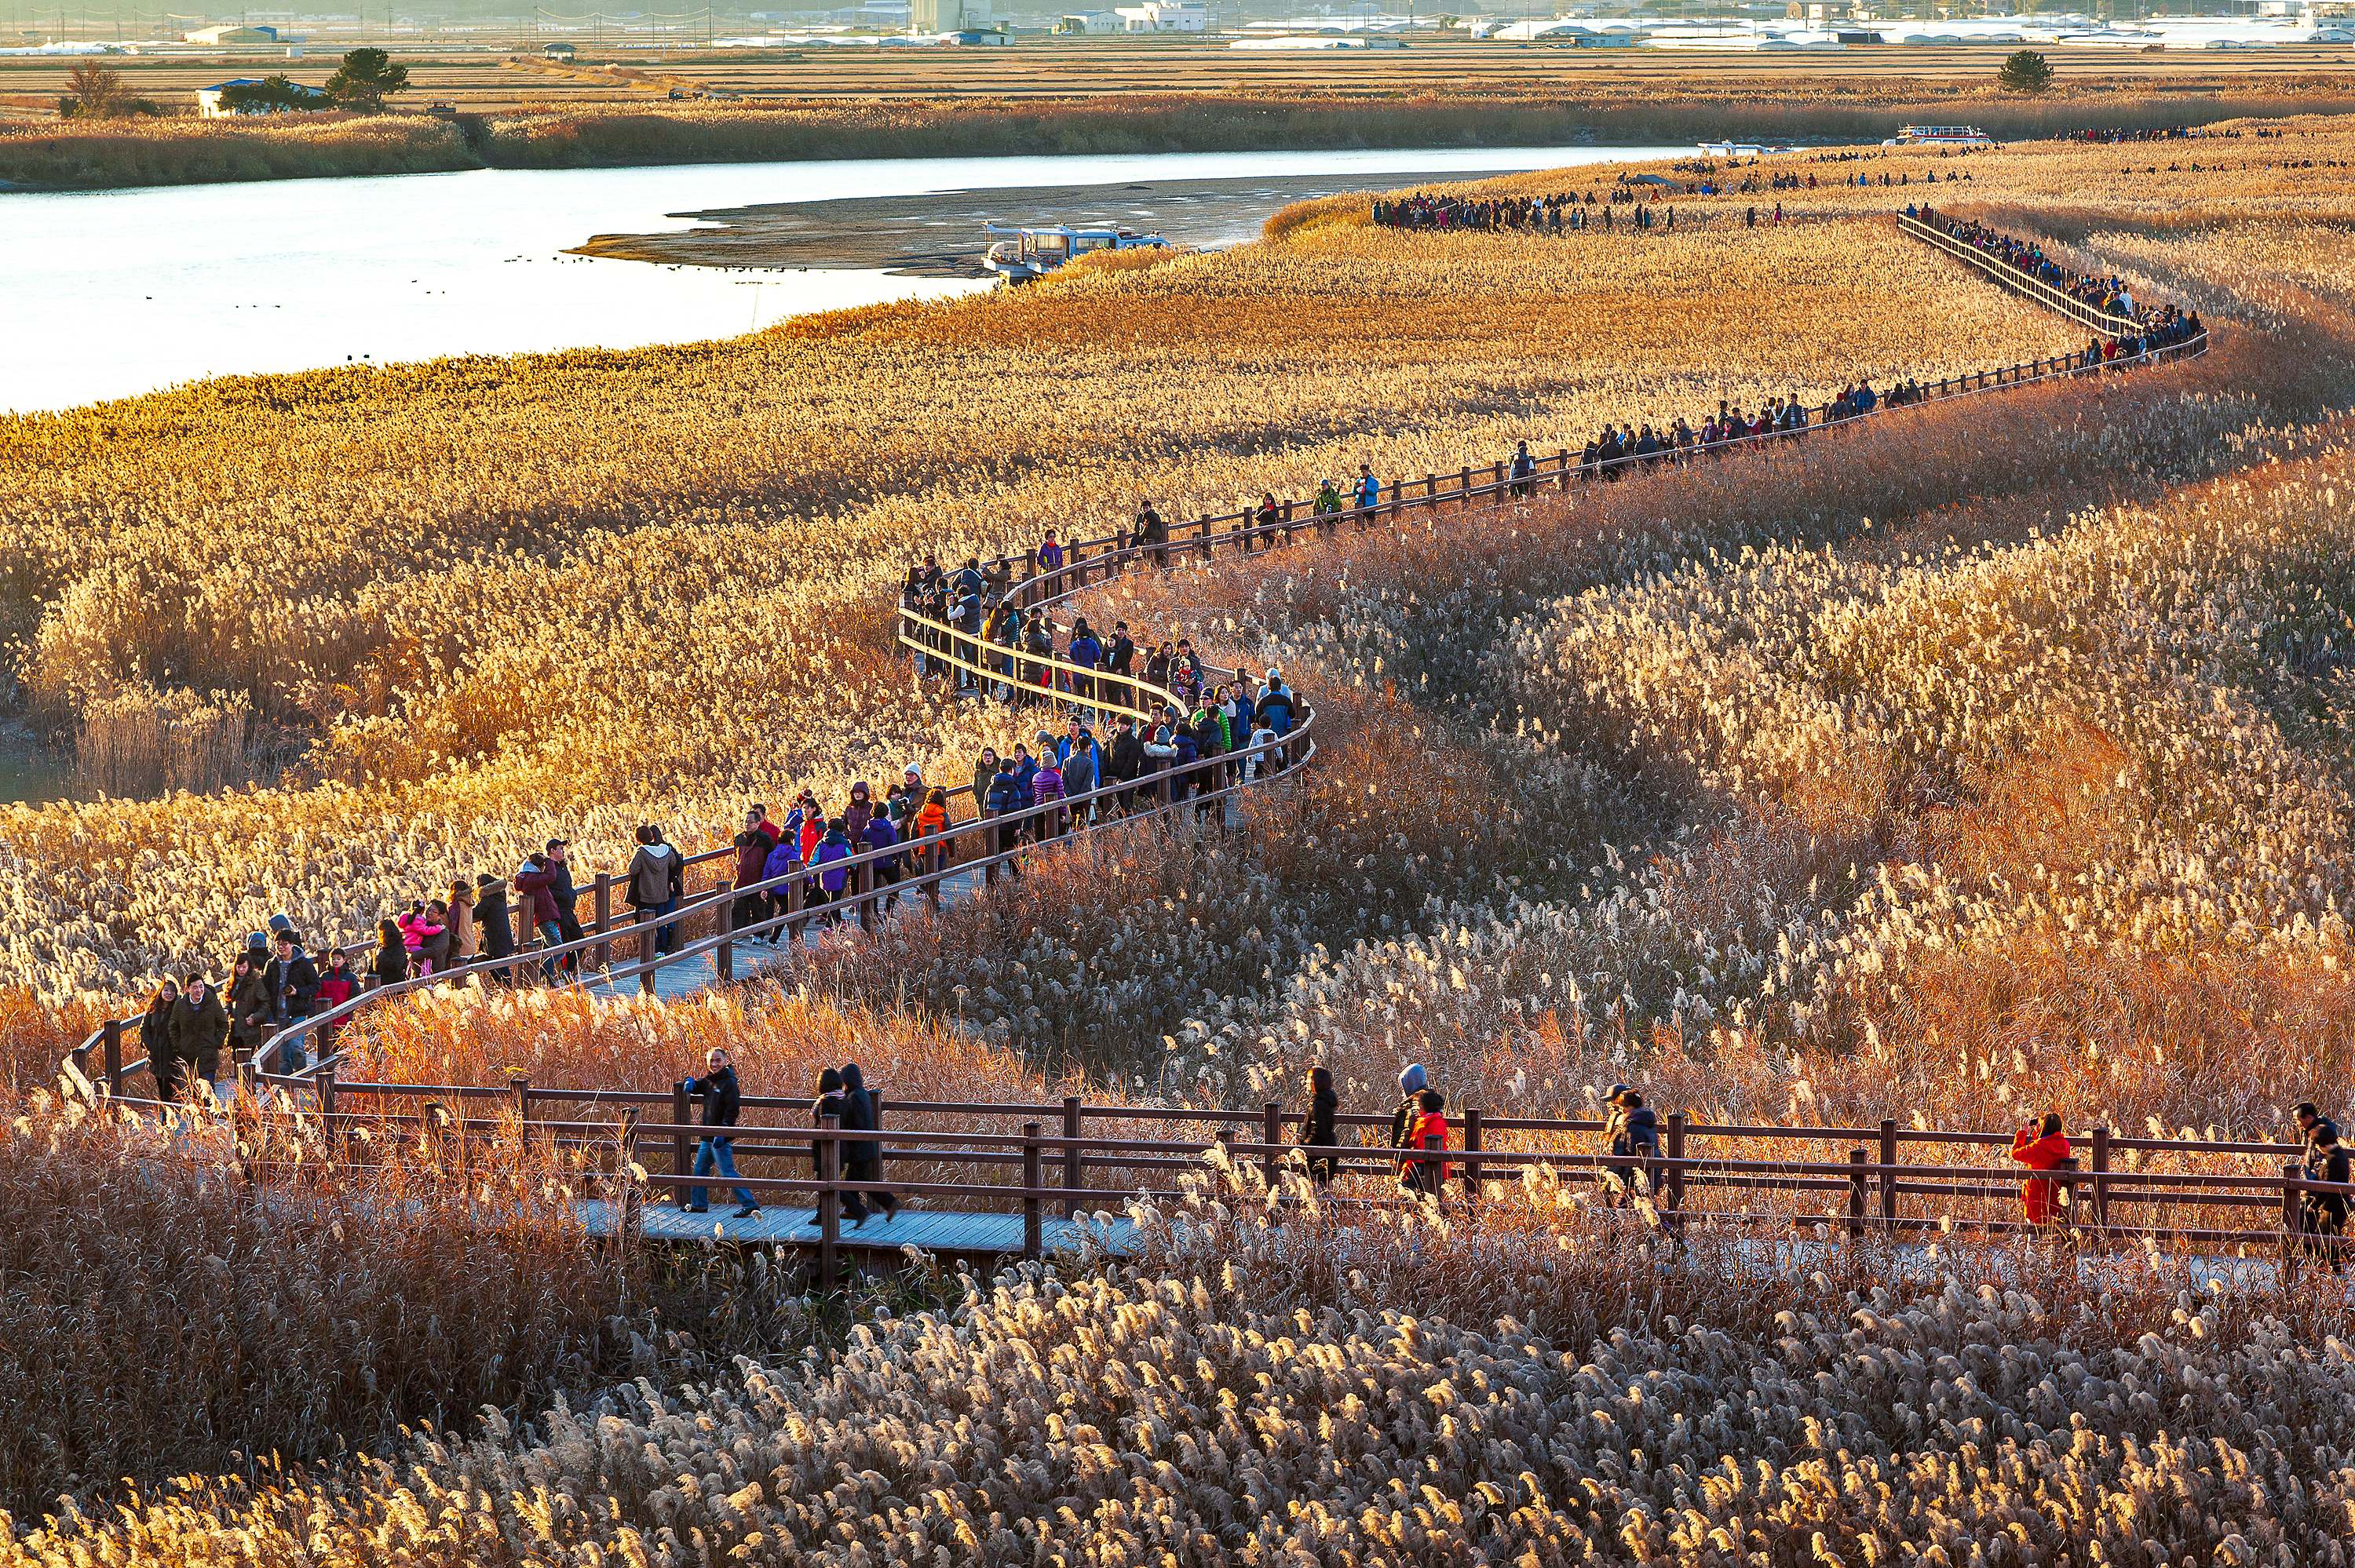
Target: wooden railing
1064	1159
2107	322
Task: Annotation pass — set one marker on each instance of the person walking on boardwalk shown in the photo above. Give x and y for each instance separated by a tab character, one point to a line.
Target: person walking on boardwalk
496	920
1118	655
2310	1123
163	1062
1525	468
2040	1146
1319	1142
1427	1135
466	934
1050	553
1264	518
832	877
248	1007
294	982
883	833
568	900
533	881
1634	1133
753	842
1369	489
722	1104
2323	1215
862	1159
199	1025
1152	534
1002	802
1046	790
656	879
1412	1081
391	965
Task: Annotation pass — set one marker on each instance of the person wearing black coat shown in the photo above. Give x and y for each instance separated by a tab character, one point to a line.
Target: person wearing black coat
722	1105
1125	765
391	954
1634	1132
862	1159
294	982
1317	1138
495	921
199	1025
828	1103
155	1038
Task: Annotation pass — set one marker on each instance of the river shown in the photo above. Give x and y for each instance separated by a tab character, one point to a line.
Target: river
110	293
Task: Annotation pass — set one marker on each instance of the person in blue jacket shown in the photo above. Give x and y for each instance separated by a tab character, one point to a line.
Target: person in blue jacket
1004	802
1369	489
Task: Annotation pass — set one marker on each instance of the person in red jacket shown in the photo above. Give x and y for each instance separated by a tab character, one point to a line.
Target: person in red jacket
2040	1146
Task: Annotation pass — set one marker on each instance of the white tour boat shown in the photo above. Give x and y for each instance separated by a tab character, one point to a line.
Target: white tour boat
1940	136
1029	253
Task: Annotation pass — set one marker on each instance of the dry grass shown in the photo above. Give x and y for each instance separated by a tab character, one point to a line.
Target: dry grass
175	1306
1254	1391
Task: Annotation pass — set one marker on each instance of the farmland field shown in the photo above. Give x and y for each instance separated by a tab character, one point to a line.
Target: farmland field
1987	759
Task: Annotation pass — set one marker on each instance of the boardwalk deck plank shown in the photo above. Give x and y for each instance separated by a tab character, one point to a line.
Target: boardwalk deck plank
928	1230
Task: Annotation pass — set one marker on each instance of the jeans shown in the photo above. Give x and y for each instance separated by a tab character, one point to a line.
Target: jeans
718	1153
666	936
551	934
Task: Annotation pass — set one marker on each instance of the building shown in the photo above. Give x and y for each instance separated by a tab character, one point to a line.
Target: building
229	35
934	17
1164	17
556	51
209	105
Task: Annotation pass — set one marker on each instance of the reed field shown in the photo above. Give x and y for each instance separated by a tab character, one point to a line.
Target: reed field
1079	95
1990	759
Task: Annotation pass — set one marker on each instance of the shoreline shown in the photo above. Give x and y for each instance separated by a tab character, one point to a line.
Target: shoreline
129	154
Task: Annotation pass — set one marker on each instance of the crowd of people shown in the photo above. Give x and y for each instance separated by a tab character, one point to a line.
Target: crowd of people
2109	134
1563	212
2159	326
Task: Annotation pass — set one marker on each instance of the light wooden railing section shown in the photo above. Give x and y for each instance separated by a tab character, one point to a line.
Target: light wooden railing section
2108	323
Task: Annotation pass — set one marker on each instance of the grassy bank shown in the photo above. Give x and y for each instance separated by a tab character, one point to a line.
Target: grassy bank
97	155
48	155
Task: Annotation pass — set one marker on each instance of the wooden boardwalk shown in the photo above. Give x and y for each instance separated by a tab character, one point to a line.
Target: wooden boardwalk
938	1231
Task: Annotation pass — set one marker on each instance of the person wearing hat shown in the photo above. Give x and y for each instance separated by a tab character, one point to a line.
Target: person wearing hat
1412	1080
568	900
1635	1134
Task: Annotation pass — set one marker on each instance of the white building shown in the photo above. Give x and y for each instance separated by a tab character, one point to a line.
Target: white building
209	105
231	34
1164	17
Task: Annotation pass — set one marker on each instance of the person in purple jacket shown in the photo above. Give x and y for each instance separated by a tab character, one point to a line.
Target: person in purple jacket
832	876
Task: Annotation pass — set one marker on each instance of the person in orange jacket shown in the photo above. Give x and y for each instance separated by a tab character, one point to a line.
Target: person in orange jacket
1427	1130
2040	1146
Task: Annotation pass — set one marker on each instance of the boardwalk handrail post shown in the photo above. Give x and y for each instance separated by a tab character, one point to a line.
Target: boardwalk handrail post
1889	1172
1856	1159
1472	1146
603	893
110	1037
1074	1174
2101	1206
2292	1219
681	1116
1673	1188
1034	1228
325	1078
645	929
520	1083
829	1208
1271	1133
723	958
863	886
